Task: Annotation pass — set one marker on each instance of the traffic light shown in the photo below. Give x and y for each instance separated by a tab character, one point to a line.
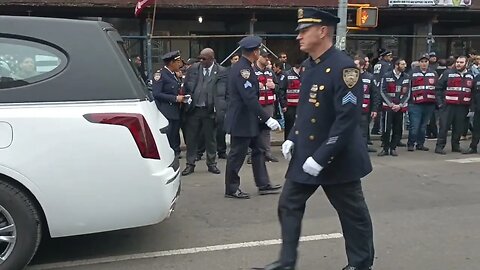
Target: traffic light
367	17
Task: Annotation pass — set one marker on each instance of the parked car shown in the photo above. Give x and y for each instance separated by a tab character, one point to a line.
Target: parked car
82	144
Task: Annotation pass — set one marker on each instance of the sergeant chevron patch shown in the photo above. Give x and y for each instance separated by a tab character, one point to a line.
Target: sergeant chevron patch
349	98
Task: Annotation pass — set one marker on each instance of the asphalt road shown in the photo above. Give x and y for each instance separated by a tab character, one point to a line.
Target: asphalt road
425	210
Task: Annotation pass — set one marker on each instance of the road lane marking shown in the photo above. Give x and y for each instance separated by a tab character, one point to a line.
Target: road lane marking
184	251
464	160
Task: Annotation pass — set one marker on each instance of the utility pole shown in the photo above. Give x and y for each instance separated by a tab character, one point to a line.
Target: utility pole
342	26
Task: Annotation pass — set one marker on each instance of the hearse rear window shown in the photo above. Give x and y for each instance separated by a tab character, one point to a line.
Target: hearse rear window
25	62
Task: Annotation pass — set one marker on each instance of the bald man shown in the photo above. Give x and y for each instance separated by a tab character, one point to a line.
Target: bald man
206	83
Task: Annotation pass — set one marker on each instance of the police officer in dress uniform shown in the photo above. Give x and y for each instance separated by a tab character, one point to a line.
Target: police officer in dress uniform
326	146
166	86
475	109
453	98
244	120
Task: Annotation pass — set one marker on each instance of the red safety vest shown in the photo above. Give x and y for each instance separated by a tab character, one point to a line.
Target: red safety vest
267	95
293	89
396	90
459	89
423	87
366	94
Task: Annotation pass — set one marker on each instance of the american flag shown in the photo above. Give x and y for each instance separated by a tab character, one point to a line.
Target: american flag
141	5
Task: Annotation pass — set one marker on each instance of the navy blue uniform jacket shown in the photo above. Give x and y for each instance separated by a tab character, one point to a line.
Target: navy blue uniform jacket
327	125
165	91
245	116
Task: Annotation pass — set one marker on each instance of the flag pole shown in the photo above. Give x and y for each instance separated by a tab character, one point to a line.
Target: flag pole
153	19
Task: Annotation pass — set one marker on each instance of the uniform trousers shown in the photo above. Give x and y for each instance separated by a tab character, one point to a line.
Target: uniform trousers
289	119
265	133
238	151
201	126
451	115
476	130
392	129
352	210
173	135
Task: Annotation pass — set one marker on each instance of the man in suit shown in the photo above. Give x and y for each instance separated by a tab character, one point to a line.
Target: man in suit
329	149
166	87
206	84
244	120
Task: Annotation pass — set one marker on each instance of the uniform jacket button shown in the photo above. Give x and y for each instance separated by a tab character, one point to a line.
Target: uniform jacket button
317	104
313	120
311	137
322	87
296	132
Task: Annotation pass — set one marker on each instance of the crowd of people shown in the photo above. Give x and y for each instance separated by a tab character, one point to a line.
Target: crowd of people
436	96
424	96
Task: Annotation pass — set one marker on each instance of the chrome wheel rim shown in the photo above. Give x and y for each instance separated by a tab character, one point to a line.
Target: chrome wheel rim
8	234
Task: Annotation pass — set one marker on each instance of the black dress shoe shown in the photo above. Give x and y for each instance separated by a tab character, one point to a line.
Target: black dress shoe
401	144
271	159
393	153
238	195
275	266
188	170
440	151
269	189
349	267
470	151
383	153
213	169
422	148
222	156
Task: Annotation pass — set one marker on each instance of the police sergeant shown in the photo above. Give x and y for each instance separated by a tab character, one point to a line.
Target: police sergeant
326	146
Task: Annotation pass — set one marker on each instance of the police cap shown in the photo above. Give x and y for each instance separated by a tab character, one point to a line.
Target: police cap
385	53
264	52
424	56
250	42
170	56
432	54
312	16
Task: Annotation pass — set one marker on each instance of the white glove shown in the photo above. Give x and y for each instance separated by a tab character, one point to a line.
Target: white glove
471	114
287	148
273	124
312	167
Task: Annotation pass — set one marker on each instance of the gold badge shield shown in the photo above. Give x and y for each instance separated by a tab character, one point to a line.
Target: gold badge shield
351	76
245	73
